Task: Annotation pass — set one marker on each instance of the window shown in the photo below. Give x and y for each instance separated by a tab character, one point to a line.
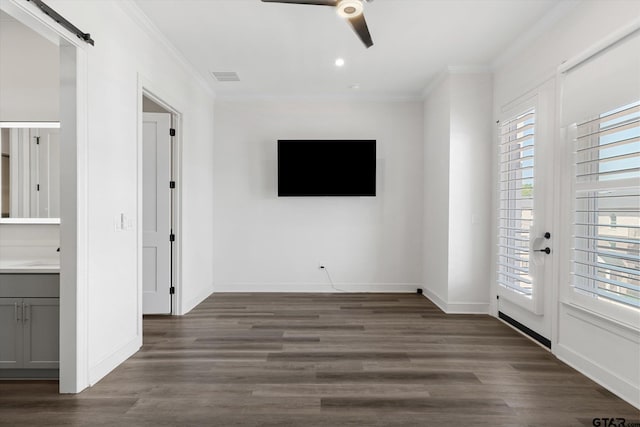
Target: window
606	238
515	218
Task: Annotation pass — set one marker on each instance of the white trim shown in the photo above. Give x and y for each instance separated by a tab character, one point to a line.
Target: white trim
468	308
142	21
543	25
109	363
600	46
457	307
435	298
469	69
436	81
22	125
448	71
598	373
193	302
316	287
30	221
357	96
585	314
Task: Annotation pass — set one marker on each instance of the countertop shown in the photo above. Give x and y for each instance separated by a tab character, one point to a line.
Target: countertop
17	266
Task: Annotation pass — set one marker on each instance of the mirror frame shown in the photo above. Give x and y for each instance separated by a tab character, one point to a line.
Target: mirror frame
41	125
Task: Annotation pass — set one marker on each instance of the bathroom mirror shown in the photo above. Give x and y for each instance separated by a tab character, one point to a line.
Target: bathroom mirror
30	171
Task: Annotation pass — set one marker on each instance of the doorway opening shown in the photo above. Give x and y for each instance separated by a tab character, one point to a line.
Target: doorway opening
159	142
70	154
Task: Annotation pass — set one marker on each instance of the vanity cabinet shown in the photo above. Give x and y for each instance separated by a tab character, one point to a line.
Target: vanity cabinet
29	324
29	333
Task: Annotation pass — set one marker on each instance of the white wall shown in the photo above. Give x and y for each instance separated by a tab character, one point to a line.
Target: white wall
29	74
266	243
125	53
457	249
470	189
437	136
605	350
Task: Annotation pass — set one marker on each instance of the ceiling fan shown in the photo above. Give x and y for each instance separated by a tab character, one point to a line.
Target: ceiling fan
351	10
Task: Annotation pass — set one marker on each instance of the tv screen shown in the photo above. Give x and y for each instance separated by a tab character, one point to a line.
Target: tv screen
326	168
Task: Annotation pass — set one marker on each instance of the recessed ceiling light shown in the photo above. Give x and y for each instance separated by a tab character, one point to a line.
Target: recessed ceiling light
354	86
339	62
350	8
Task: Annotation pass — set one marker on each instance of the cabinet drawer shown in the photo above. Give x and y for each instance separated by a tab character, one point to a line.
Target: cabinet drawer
29	285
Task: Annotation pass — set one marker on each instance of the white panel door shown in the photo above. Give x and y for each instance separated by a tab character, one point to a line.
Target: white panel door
524	269
156	213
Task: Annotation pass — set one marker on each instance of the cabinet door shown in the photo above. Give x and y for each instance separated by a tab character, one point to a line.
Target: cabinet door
11	354
41	333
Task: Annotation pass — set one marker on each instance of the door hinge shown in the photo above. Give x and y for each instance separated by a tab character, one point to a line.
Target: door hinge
172	184
172	237
172	290
172	132
37	187
37	140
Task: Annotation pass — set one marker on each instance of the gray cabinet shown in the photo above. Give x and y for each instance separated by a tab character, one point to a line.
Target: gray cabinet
29	323
29	333
11	333
41	333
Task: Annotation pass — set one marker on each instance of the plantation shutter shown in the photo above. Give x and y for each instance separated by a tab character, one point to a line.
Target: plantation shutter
515	217
601	110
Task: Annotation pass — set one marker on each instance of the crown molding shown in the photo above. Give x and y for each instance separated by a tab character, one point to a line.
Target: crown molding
316	97
136	14
543	25
435	82
469	69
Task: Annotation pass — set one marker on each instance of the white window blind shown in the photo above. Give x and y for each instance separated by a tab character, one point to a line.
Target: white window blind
515	215
606	250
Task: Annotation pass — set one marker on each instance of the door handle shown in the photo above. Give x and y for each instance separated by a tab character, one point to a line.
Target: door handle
15	307
546	250
25	310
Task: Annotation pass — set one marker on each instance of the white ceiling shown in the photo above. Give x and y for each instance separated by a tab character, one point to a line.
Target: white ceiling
289	50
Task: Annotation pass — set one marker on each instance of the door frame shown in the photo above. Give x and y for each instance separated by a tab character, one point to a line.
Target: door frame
147	88
543	305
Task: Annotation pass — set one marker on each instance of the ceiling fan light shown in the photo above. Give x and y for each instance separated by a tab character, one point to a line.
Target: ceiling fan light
350	8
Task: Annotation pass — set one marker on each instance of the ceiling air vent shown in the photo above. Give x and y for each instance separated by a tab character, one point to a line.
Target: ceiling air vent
226	76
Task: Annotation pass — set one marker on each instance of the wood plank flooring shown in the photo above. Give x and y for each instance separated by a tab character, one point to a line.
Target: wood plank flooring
325	360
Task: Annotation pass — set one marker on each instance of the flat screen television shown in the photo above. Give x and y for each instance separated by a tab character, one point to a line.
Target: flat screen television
326	168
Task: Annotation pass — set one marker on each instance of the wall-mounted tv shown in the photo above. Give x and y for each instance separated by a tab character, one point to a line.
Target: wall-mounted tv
326	168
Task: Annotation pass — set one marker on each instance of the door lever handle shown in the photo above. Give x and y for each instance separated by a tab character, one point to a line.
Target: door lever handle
546	250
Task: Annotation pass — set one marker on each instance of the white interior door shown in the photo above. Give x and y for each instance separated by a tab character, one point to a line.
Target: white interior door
156	213
525	194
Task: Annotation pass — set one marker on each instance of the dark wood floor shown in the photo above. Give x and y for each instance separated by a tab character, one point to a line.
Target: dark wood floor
325	360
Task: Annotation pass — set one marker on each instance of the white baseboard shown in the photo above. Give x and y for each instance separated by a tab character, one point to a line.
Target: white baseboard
457	307
599	374
108	364
193	302
317	287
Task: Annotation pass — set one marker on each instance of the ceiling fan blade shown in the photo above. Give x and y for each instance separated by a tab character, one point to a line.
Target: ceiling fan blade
360	27
313	2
